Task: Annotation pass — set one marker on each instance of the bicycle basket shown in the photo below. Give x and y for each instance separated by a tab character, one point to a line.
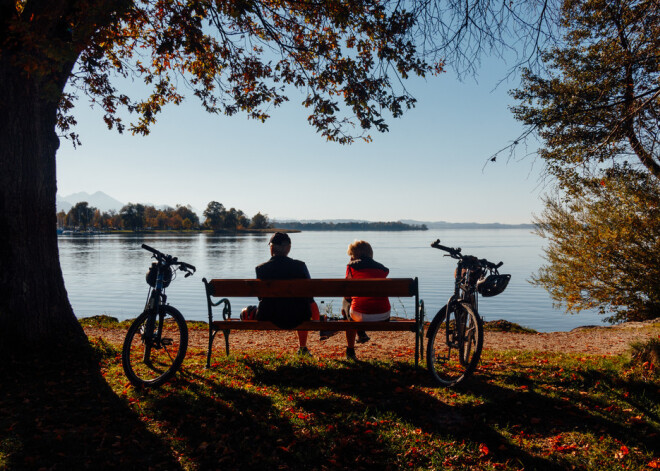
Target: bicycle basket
152	275
493	285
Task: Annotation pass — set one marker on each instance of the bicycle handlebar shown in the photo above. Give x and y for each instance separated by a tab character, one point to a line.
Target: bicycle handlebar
169	259
151	249
456	253
452	251
187	266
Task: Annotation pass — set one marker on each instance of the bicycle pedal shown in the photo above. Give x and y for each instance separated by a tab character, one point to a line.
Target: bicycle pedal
166	342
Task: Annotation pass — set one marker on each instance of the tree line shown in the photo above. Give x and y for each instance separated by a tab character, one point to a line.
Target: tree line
140	217
351	226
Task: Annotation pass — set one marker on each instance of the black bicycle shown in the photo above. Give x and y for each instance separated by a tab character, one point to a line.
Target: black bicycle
455	336
157	340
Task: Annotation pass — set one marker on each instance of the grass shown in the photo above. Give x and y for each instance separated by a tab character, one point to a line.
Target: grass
506	326
276	411
105	321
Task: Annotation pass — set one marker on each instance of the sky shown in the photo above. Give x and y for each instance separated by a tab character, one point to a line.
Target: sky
430	166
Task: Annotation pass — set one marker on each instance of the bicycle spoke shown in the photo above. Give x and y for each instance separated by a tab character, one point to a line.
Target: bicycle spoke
454	346
151	360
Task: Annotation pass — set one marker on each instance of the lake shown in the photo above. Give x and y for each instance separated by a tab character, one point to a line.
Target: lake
105	274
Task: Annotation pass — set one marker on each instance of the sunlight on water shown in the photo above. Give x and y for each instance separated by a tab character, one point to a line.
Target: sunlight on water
105	274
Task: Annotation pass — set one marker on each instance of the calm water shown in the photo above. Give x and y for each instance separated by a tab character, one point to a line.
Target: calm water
105	274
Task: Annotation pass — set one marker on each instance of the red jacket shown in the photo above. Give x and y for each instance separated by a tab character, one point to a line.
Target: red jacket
368	268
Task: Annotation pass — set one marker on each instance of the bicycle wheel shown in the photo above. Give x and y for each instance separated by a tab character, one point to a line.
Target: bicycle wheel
152	360
454	346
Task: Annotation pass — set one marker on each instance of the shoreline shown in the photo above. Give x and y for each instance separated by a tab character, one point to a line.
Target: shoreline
172	231
610	340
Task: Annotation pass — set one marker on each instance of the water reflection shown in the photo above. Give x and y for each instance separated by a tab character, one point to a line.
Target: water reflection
106	274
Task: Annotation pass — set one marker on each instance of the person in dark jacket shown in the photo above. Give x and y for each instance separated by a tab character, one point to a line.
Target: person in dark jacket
286	313
364	308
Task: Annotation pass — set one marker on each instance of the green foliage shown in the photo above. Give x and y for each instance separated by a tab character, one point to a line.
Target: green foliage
604	247
219	218
260	221
600	100
214	214
80	215
239	56
132	216
597	110
187	213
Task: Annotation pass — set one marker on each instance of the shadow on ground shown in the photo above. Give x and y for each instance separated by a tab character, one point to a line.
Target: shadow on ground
62	415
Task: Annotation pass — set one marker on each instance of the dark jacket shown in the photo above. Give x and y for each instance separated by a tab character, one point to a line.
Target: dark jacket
285	313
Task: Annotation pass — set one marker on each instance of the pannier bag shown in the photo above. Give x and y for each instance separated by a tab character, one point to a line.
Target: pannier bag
152	275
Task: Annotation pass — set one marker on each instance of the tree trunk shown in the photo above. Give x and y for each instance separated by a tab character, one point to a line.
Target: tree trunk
35	314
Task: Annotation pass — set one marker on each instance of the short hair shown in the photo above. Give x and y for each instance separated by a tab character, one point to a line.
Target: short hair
360	249
280	238
281	249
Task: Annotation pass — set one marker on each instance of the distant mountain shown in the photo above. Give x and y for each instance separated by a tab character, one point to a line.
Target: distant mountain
98	200
428	224
62	205
348	226
315	221
307	224
467	225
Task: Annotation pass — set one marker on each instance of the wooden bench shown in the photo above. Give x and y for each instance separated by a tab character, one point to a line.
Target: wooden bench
310	288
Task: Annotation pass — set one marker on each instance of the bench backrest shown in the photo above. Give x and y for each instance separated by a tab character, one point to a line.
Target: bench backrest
329	287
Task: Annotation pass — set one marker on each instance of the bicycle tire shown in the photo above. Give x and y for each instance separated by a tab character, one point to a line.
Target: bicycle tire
164	357
451	357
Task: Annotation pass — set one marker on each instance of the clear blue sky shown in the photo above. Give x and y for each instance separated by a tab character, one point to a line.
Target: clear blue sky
428	167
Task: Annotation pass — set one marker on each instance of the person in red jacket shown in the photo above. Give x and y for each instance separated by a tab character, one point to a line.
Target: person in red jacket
368	308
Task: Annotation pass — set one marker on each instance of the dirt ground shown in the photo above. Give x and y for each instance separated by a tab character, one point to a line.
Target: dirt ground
391	345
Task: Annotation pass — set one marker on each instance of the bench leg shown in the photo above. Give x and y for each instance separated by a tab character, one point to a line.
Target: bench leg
226	333
208	355
416	348
211	338
419	345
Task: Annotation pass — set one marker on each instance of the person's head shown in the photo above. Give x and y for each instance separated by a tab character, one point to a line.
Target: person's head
360	249
280	244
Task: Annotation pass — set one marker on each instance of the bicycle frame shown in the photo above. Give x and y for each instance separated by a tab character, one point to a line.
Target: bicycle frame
464	289
155	300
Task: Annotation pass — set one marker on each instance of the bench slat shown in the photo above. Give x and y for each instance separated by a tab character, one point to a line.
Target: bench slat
389	326
402	287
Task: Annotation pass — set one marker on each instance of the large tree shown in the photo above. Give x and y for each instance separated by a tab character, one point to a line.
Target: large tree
132	216
186	212
215	215
347	58
597	110
598	101
260	221
81	215
603	249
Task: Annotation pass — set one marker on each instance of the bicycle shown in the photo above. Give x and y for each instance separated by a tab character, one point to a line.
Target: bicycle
455	336
156	342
